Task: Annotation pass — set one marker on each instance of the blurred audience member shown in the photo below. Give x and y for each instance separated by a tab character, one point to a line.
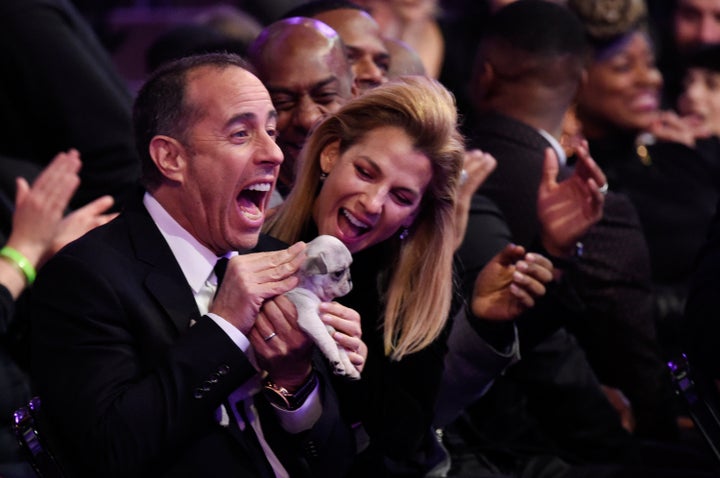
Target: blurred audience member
526	79
361	35
682	27
231	21
415	23
404	60
699	102
61	90
645	153
186	40
695	23
39	229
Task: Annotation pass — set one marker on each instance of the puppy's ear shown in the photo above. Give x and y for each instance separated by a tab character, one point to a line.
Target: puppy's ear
316	265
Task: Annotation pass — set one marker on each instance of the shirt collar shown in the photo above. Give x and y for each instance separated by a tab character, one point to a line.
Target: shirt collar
559	151
196	261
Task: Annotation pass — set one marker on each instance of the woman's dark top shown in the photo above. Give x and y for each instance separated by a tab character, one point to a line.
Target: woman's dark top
675	190
394	400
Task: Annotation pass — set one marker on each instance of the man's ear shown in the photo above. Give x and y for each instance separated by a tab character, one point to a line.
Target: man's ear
169	157
329	156
485	77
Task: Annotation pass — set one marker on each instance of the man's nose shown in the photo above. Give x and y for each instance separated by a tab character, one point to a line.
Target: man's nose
307	114
366	70
268	150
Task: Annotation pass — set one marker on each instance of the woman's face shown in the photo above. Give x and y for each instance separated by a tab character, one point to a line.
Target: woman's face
700	99
372	189
622	91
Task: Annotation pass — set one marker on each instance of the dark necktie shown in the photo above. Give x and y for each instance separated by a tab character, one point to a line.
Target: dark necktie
220	269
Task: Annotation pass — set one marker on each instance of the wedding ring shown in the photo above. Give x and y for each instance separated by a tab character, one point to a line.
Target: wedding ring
463	176
604	188
270	336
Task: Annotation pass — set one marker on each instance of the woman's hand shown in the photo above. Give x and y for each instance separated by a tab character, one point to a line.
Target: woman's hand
476	169
80	221
39	209
348	331
671	127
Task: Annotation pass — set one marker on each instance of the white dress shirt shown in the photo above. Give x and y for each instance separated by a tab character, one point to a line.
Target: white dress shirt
559	151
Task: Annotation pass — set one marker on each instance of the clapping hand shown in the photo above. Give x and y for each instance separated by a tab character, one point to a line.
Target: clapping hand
476	168
567	209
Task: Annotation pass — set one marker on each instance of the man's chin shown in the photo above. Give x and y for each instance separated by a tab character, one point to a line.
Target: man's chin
246	242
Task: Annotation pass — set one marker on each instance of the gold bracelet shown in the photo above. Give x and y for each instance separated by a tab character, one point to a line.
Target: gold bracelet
21	263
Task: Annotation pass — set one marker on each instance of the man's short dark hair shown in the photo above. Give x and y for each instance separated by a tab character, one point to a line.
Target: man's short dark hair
316	7
161	107
539	27
528	34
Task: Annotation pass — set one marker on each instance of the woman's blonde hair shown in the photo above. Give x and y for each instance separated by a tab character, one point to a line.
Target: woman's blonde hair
418	297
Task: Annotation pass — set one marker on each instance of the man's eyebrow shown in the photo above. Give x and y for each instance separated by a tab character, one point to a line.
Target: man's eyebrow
242	118
352	50
249	118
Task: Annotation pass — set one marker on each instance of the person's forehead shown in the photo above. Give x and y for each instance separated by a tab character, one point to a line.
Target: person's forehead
230	90
356	28
703	6
702	72
302	68
316	57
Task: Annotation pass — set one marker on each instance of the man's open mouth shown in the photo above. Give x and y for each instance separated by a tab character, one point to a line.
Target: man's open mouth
252	199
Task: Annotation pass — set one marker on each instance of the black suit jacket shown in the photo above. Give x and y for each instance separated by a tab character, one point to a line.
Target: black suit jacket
130	388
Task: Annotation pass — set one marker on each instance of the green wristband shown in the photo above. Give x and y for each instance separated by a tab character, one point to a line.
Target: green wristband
19	261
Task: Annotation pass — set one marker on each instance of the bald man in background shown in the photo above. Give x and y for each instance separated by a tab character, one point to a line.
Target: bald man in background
303	64
366	49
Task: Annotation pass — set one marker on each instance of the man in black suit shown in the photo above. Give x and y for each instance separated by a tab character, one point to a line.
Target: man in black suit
141	371
526	78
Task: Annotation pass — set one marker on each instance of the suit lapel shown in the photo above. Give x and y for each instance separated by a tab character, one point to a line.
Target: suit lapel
164	280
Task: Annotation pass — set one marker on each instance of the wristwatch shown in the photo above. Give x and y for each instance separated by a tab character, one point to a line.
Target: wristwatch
282	398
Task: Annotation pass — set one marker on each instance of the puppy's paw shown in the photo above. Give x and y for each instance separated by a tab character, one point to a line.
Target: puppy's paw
338	368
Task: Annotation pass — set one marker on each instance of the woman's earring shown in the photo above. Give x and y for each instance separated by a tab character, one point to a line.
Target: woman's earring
404	234
323	176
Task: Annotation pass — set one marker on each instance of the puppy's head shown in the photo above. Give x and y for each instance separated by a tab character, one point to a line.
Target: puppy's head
326	270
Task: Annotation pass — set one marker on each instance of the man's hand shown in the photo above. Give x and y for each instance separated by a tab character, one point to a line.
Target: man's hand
251	279
281	348
510	283
567	210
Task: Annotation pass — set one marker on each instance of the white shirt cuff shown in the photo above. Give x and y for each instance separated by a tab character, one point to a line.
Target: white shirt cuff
304	417
235	335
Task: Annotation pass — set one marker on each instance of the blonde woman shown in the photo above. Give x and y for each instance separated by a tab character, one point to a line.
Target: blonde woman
382	175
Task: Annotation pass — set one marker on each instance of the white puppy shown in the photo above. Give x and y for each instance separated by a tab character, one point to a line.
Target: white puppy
324	276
